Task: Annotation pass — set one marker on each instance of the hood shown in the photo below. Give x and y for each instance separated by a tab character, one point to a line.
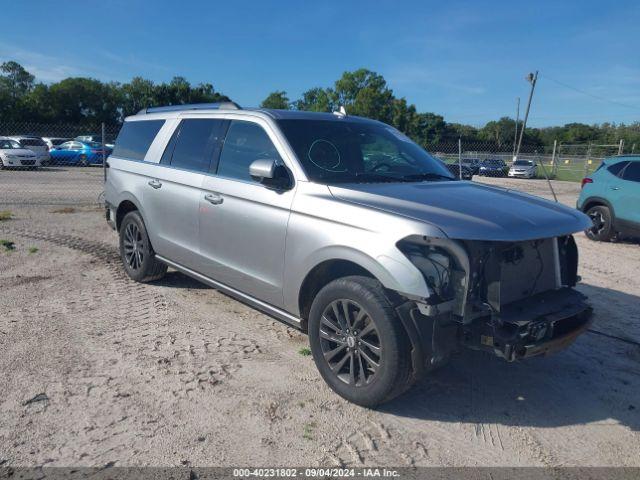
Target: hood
20	152
468	210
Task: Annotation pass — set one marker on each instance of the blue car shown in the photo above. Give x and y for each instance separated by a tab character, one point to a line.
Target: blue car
493	167
79	153
611	197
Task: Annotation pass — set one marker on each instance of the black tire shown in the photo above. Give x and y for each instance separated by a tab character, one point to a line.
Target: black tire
368	386
602	230
136	252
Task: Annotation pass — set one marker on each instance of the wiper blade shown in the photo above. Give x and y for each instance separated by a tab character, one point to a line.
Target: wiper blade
363	177
427	176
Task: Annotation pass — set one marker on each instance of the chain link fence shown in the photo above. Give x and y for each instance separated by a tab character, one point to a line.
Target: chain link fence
53	164
70	172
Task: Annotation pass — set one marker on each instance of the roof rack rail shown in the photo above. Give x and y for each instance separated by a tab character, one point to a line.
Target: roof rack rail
192	106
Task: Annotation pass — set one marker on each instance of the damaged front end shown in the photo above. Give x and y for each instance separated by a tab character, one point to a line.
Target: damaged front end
515	299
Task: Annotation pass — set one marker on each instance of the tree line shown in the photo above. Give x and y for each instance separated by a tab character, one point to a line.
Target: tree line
87	101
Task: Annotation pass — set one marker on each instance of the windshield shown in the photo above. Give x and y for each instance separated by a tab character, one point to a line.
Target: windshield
493	162
7	144
344	151
523	163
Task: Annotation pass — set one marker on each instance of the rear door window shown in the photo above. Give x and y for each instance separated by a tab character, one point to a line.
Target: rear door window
616	168
195	145
135	138
632	172
245	142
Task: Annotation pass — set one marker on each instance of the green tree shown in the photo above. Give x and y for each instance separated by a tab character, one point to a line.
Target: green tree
17	81
364	93
315	100
277	100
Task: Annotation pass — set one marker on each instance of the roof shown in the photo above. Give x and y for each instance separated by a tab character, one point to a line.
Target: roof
164	111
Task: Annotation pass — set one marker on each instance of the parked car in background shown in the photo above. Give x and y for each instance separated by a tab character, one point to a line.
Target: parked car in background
12	154
467	173
493	167
97	138
472	164
36	145
79	153
523	168
611	197
53	142
345	228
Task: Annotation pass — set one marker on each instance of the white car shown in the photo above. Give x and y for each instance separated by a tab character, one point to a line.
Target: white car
12	154
36	145
523	168
54	142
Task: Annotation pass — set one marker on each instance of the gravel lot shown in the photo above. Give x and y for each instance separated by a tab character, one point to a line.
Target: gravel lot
96	369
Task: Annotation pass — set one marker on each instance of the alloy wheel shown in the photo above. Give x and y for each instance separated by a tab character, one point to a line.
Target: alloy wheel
134	249
598	221
350	342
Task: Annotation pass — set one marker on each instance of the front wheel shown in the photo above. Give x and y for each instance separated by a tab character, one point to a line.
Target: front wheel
358	343
137	254
602	229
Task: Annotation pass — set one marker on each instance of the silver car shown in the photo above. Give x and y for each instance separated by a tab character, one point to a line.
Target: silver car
346	229
523	168
12	154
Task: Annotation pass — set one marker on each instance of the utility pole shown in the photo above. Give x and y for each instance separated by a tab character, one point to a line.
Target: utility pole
515	135
531	78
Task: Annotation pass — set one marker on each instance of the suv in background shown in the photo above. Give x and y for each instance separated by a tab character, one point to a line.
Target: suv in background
54	142
36	145
472	164
346	229
611	197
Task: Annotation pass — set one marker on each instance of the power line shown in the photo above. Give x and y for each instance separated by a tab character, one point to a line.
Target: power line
597	97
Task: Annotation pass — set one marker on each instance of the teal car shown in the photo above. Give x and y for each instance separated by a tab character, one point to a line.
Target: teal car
611	197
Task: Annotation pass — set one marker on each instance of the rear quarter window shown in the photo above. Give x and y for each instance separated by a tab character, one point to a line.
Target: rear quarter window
616	168
135	138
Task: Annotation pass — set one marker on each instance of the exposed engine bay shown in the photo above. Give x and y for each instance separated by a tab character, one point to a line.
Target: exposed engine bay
515	299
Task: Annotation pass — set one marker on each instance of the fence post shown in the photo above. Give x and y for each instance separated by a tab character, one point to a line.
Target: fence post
460	158
621	147
586	161
104	155
554	169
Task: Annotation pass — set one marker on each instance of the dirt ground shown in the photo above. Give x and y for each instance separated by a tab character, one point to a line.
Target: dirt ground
96	369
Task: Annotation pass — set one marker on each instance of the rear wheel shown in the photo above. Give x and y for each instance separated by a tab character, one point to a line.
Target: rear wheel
358	342
602	229
137	254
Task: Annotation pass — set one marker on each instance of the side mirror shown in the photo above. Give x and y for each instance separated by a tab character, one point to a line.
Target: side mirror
270	174
263	169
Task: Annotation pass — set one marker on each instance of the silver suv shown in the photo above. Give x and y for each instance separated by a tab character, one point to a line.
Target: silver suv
346	229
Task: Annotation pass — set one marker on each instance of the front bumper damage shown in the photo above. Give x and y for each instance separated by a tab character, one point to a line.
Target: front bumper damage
539	325
514	300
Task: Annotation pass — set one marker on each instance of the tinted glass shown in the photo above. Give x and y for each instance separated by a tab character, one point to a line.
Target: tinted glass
616	168
632	172
196	144
32	142
350	151
135	138
245	142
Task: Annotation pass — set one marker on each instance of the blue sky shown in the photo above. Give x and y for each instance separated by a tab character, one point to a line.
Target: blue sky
463	60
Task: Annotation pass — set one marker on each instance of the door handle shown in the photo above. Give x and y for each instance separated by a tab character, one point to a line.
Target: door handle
615	188
155	184
214	198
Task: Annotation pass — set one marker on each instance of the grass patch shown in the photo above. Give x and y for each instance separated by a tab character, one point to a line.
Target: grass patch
8	245
304	351
307	431
64	210
5	215
33	250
